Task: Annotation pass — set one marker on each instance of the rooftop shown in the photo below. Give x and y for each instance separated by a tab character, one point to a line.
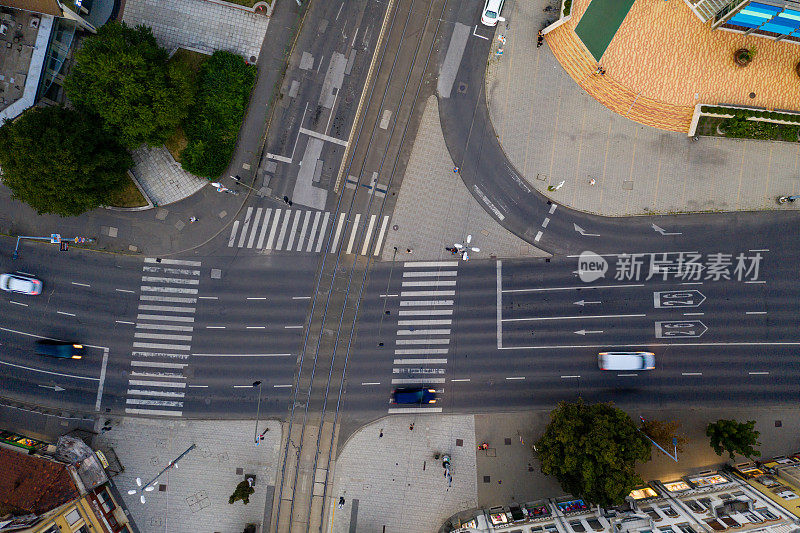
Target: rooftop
32	484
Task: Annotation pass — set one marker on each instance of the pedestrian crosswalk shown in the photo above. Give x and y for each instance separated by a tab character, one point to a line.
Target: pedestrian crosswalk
424	325
163	337
303	230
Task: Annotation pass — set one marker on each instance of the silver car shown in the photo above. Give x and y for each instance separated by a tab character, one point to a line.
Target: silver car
626	360
20	283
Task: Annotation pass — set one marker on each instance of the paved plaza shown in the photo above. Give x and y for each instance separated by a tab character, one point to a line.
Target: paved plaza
161	177
200	25
569	136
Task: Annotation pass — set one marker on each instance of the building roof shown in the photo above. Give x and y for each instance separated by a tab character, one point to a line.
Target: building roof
48	7
30	484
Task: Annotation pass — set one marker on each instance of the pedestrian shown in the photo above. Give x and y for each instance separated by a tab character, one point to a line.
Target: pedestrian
411	427
380	435
192	220
341	502
409	250
456	169
592	181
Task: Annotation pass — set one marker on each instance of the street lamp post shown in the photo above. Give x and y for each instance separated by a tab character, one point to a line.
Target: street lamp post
258	411
147	487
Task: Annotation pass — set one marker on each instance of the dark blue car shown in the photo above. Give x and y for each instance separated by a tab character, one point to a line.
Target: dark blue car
419	395
60	349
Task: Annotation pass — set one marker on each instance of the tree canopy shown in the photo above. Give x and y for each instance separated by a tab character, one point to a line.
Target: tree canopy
592	450
122	75
734	437
60	161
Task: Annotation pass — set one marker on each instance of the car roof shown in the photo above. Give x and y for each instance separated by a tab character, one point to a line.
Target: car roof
18	283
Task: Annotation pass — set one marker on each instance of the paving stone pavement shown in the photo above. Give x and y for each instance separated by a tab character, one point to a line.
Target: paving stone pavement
200	25
196	495
434	209
397	481
161	177
569	136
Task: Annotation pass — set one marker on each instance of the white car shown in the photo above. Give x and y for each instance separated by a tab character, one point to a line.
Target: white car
490	15
20	283
626	360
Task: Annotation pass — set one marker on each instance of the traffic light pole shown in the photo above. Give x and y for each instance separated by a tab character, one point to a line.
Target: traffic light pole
54	238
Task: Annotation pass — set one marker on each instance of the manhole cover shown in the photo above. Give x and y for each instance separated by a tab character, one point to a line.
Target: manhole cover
395	227
462	87
253	59
216	273
752	95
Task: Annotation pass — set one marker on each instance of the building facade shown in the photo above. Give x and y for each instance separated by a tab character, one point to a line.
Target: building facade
778	20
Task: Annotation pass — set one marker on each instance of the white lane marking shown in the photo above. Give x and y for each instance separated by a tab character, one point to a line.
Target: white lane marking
123	322
425	312
460	380
160	346
253	233
301	297
275	221
691	373
256	297
338	233
755	281
627	375
546	222
264	226
284	228
321	234
161	336
172	261
209	297
553	208
412	294
242	386
419	351
409	303
215	327
389	295
580	317
758	373
48	372
232	238
694	314
168	327
755	312
368	236
499	291
303	231
371	383
765	250
430	283
198	386
397	381
423	332
516	378
420	362
312	235
429	264
692	283
281	386
125	290
293	231
353	233
429	273
255	327
571	377
172	290
167	308
157	364
381	235
245	226
153	412
419	410
170	299
162	393
148	383
102	380
441	322
322	136
178	281
241	354
292	327
81	284
581	287
65	313
165	317
17	303
422	341
538	236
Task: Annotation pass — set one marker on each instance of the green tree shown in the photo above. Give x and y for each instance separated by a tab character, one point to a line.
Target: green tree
214	122
592	450
662	432
242	492
122	75
61	161
734	437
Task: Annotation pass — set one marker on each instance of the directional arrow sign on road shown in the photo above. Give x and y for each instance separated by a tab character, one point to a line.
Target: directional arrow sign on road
54	387
584	302
662	231
583	231
670	329
668	299
586	331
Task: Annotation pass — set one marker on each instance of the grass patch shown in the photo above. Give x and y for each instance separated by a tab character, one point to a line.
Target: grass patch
194	62
127	196
741	128
176	143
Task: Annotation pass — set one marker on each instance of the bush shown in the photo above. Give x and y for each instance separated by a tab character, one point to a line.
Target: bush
740	127
213	122
567	7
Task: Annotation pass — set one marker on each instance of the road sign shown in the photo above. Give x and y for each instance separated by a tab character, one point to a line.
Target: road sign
55	238
64	246
79	240
667	299
670	329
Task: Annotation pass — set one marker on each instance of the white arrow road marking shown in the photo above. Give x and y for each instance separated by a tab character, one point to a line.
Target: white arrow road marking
662	231
583	231
55	388
584	331
584	302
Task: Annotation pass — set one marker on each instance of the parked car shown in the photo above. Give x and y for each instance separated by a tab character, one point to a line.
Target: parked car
21	283
490	15
626	360
408	395
60	349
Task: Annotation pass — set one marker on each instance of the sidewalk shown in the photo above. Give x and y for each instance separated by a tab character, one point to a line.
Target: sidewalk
567	135
193	498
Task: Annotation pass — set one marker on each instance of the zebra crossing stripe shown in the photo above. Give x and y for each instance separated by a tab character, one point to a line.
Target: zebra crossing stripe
368	236
429	273
322	232
419	332
282	234
173	261
168	327
429	264
142	316
422	341
171	299
408	410
162	393
314	225
168	384
302	238
420	362
406	303
252	238
264	225
293	231
174	290
168	308
157	364
275	222
161	336
152	412
245	226
232	238
425	312
420	351
178	281
381	234
430	283
353	233
161	346
399	381
338	233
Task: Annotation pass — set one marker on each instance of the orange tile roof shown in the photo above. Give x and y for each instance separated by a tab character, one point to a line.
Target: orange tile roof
31	484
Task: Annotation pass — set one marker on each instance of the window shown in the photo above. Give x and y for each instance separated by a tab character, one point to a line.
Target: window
669	511
686	528
72	517
52	529
105	501
786	494
769	515
666	529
